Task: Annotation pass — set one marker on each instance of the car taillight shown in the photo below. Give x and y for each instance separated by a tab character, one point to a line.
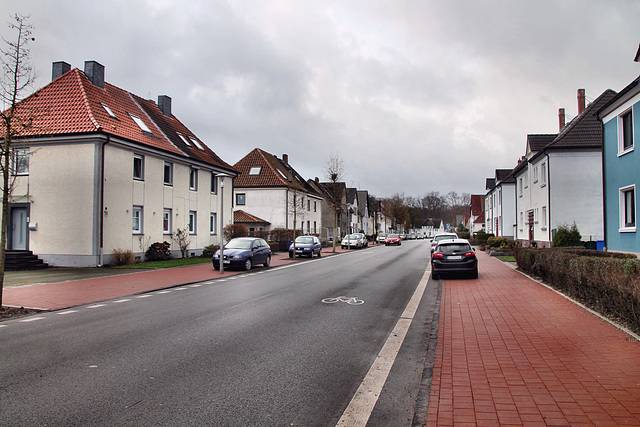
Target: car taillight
470	253
438	255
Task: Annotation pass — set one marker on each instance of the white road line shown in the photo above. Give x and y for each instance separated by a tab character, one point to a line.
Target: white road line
163	292
32	319
122	300
143	296
62	313
96	306
363	402
194	286
3	326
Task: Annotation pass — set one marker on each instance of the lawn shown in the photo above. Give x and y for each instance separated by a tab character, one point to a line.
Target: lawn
508	258
178	262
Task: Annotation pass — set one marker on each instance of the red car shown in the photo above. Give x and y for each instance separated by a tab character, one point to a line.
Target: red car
392	239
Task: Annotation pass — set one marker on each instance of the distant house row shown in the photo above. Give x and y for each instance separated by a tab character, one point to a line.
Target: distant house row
98	169
585	174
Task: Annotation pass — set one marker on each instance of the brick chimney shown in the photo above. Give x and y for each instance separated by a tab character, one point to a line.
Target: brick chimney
285	158
561	118
95	72
164	104
581	100
59	68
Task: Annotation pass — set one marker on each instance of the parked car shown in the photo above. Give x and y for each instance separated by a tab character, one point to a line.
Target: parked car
352	241
393	239
306	246
454	256
403	236
441	236
381	237
364	239
244	252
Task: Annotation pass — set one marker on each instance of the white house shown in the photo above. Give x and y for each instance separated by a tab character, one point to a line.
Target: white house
500	204
102	169
270	189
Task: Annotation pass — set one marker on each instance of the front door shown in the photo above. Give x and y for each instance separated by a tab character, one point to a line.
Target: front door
19	225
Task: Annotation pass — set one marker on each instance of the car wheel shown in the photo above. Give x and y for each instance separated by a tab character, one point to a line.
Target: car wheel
320	253
268	262
434	275
474	274
247	264
386	244
290	254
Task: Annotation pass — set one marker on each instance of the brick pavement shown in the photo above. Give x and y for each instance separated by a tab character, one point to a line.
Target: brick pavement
512	352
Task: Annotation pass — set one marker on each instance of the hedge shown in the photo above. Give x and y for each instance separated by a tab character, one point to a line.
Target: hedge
608	282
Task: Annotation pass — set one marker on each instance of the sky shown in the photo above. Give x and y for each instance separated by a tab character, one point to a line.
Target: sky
413	96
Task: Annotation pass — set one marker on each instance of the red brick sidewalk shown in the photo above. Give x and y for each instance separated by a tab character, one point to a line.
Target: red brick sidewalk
512	352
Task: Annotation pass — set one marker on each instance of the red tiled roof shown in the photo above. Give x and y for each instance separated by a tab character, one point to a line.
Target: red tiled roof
273	172
71	104
480	218
477	204
244	217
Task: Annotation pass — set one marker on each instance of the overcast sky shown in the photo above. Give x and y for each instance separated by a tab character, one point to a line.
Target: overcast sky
414	96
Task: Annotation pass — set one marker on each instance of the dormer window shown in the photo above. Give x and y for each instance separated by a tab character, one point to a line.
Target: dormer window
196	143
140	123
255	170
108	110
184	139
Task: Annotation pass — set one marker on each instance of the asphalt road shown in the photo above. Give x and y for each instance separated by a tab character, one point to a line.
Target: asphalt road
259	349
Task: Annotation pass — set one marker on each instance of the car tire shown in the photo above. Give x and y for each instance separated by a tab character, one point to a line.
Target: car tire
248	264
434	275
268	262
290	254
320	253
474	274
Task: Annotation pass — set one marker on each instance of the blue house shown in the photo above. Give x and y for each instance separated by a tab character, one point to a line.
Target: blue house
621	168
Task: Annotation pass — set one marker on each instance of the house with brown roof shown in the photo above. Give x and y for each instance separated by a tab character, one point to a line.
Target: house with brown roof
269	188
102	169
332	224
475	218
500	203
561	183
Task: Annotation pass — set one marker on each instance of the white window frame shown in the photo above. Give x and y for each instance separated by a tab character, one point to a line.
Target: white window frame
20	161
621	133
193	222
213	223
139	157
137	219
543	174
168	165
624	228
520	187
184	139
140	124
167	218
193	179
544	218
196	143
214	183
108	110
255	170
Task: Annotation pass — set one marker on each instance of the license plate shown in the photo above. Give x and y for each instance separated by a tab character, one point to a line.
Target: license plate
454	257
227	262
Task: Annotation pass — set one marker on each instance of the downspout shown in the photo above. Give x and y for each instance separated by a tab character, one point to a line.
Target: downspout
286	209
549	199
101	214
604	191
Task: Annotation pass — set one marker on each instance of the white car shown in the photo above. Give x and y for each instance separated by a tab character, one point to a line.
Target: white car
440	237
381	237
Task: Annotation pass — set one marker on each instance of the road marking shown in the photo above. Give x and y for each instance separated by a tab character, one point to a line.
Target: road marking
96	306
348	300
194	286
143	296
363	402
122	300
3	326
62	313
163	292
32	319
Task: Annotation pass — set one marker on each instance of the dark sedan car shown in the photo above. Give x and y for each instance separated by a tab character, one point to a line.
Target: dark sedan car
306	246
244	253
454	256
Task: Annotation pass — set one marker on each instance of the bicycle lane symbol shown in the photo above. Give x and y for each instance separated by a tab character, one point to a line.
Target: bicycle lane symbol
348	300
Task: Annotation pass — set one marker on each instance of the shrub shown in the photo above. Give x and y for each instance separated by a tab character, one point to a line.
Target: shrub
566	236
123	257
159	252
183	238
232	231
209	251
464	234
497	242
608	282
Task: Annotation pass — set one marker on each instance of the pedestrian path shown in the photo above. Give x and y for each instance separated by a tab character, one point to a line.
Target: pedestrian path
512	352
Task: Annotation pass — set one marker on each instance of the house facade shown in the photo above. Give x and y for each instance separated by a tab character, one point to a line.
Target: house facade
101	169
333	226
269	188
621	169
500	204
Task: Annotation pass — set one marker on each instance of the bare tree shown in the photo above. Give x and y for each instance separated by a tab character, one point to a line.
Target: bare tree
17	75
334	173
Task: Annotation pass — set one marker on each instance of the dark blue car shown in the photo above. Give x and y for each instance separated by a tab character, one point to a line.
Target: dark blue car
306	246
244	253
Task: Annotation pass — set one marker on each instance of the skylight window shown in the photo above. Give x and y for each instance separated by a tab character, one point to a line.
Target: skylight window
196	143
108	110
140	123
184	139
255	170
281	173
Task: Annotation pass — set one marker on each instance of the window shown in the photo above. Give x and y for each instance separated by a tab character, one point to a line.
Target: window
138	167
544	217
628	208
520	187
193	217
196	143
255	170
108	110
526	180
626	132
240	199
184	139
543	174
193	179
214	183
308	205
213	223
535	174
315	229
20	161
166	221
136	223
315	206
168	173
140	123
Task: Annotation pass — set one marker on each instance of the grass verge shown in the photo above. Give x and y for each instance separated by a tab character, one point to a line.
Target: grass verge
179	262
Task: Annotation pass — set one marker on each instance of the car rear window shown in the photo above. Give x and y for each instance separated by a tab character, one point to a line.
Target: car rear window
453	248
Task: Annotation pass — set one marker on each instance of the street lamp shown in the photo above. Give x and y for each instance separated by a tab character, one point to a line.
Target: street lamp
221	177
